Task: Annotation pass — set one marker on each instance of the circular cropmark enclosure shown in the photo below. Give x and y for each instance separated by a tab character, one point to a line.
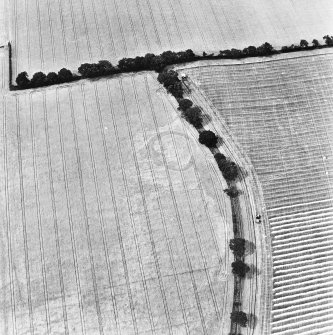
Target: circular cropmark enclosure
163	150
114	221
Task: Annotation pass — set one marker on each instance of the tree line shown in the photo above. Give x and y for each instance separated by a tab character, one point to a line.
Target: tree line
193	115
152	62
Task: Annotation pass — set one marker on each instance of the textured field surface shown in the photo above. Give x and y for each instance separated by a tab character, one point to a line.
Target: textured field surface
48	35
256	290
281	113
114	219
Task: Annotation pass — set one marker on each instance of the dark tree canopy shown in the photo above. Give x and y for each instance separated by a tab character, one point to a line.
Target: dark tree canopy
219	157
250	51
239	317
225	53
328	40
239	268
304	43
229	169
157	64
102	68
235	53
88	70
126	64
169	57
265	49
232	192
187	55
208	138
52	78
176	90
65	75
22	80
106	67
193	115
38	79
315	43
168	78
237	245
184	104
171	82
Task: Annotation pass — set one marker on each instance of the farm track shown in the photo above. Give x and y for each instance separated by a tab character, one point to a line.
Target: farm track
255	293
67	34
280	113
115	220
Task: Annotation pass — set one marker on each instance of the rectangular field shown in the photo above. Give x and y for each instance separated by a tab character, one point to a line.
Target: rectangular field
114	219
48	35
280	112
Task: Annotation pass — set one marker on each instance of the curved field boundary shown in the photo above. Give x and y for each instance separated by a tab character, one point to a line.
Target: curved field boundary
257	292
255	60
114	221
281	113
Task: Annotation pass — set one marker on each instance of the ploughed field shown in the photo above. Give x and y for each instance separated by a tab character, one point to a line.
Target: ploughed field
114	219
281	114
48	35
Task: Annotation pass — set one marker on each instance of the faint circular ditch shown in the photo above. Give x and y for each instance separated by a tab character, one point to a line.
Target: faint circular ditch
162	147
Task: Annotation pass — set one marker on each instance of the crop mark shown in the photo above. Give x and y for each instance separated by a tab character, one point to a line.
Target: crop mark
134	227
158	150
181	300
189	263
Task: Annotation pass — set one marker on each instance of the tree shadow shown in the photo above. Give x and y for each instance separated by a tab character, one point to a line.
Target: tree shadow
240	192
214	150
237	306
219	140
206	119
232	192
249	247
243	172
254	271
252	320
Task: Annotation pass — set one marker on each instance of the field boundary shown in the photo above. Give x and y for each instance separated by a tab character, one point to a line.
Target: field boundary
157	63
245	61
262	104
247	174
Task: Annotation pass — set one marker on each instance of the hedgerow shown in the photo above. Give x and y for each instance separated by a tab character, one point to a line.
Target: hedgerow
156	63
